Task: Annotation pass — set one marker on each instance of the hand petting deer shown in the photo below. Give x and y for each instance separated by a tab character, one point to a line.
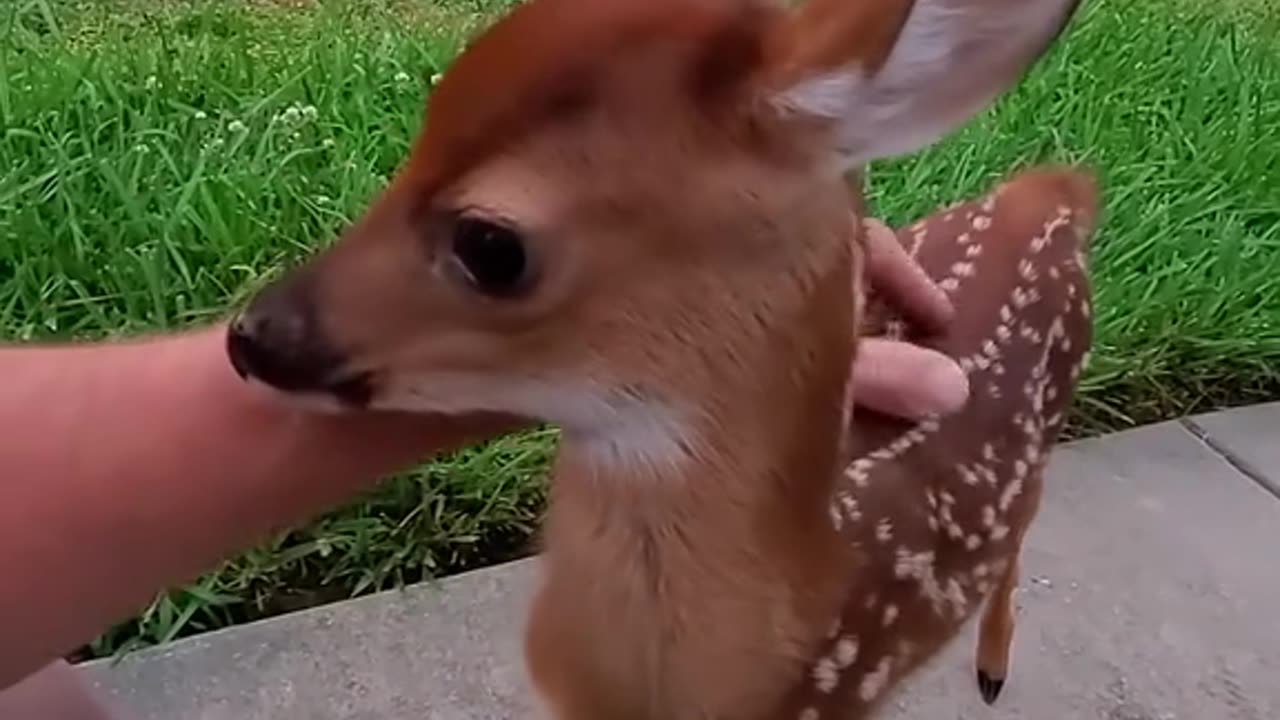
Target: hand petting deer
629	219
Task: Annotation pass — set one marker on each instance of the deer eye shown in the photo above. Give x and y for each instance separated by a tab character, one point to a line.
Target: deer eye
492	256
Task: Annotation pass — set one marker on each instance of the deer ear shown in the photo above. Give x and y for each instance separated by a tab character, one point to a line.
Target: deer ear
892	76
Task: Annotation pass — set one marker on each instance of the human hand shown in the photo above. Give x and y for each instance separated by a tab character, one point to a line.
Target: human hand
896	377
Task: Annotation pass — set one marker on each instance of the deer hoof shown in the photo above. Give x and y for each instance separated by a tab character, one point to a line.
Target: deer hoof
989	687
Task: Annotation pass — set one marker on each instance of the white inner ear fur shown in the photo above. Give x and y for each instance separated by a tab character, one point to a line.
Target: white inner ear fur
951	58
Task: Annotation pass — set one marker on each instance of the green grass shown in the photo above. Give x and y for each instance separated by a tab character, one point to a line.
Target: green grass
158	158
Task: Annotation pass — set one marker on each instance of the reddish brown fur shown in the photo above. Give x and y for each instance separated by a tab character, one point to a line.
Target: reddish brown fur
553	58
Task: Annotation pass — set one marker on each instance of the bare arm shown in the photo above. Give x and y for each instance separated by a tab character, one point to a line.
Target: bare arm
134	466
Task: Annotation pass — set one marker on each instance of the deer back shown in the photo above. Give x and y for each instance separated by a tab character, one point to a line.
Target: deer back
939	507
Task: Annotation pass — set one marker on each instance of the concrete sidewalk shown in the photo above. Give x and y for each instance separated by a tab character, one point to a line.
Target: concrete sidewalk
1151	591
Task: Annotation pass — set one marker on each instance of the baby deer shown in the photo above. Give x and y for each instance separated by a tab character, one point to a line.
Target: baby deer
629	219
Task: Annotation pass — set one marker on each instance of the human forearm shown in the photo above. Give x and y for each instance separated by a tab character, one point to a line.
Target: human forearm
134	466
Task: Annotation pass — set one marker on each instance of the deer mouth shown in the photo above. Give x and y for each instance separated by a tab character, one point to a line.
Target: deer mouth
295	368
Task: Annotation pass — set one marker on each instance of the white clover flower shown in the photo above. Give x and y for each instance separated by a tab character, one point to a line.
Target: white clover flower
236	126
327	143
289	116
151	82
201	115
435	79
402	77
309	112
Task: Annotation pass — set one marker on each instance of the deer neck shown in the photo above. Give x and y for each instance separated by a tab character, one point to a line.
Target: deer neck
725	547
755	474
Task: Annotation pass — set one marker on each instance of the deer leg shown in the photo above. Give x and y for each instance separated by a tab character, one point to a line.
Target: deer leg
995	635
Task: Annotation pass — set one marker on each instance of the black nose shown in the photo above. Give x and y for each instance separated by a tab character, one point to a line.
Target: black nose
279	344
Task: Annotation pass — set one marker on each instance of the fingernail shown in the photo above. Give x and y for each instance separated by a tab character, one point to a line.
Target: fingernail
949	386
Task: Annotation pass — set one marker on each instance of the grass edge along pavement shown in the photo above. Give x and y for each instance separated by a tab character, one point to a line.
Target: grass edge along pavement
159	160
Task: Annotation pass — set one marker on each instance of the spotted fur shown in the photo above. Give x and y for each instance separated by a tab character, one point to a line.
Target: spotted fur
940	507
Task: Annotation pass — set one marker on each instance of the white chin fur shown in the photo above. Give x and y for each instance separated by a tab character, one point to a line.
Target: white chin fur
609	426
323	403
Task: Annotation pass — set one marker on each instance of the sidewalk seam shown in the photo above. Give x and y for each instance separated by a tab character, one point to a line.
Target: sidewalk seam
1243	466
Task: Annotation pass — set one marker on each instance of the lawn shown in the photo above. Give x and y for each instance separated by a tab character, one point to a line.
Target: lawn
160	158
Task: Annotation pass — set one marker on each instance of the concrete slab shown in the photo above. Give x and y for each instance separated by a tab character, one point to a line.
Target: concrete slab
1149	594
1249	436
446	651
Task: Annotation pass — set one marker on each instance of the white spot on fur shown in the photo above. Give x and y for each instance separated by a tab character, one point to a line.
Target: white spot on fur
981	223
890	615
873	683
1021	298
955	593
1027	270
851	509
999	532
846	651
825	675
973	542
988	474
917	240
1011	491
809	713
884	530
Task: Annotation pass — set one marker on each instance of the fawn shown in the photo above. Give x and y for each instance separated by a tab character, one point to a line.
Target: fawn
630	219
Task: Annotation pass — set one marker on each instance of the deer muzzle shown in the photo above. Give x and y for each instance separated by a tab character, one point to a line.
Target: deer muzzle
277	341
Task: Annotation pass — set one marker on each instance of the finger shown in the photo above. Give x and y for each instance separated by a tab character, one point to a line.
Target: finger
907	381
903	284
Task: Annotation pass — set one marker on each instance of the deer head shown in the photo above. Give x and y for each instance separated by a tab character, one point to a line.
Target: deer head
619	213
